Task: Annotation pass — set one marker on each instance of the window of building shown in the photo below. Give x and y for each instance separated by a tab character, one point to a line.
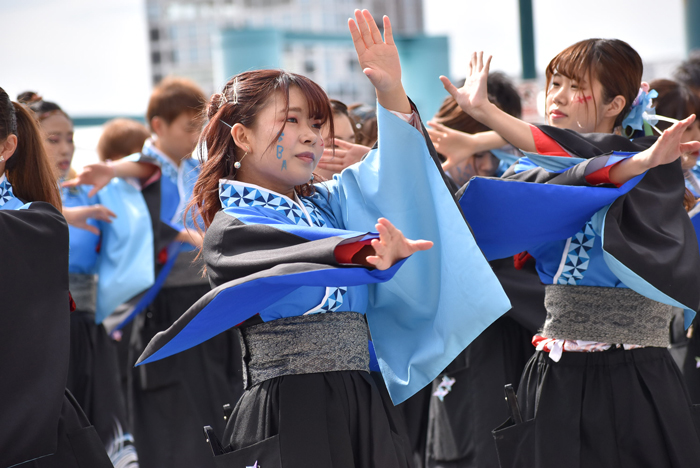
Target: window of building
155	35
309	66
157	79
153	11
155	57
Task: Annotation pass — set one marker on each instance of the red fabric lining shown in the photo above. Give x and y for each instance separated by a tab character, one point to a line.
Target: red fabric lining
546	145
602	176
344	253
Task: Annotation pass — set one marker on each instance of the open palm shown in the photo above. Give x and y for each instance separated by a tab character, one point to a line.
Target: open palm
474	94
378	57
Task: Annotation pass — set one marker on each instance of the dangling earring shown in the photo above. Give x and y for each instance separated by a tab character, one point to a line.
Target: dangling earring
312	178
237	164
2	159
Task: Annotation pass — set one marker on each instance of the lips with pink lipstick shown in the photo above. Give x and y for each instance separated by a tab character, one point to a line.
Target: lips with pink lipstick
306	156
63	165
556	114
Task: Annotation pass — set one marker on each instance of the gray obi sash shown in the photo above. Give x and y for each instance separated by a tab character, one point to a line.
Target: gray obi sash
304	345
605	315
83	289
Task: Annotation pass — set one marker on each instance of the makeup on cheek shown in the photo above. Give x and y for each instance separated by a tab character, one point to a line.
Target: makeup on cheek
280	148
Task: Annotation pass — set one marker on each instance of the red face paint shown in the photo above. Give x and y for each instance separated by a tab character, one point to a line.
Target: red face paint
582	99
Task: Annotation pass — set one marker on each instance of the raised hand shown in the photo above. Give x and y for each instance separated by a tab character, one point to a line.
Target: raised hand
473	96
79	215
665	150
98	175
392	246
379	60
345	154
454	145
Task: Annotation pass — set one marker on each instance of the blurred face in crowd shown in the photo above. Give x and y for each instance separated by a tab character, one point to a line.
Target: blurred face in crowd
481	164
178	138
343	128
692	133
58	132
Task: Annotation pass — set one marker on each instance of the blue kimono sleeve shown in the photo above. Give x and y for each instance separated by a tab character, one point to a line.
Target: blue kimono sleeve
252	266
125	264
442	299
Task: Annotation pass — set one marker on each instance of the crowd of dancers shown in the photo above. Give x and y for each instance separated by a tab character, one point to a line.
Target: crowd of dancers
271	278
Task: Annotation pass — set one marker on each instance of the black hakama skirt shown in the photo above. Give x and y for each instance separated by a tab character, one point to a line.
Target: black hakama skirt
617	408
79	446
330	419
95	382
459	426
686	352
173	399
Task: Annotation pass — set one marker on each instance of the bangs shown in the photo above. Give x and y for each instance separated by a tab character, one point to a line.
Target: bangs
316	98
574	63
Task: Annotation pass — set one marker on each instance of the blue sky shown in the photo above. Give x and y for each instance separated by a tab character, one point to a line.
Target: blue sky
92	58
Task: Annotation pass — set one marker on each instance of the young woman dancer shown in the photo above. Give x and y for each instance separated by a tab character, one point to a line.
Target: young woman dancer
602	389
100	266
42	425
291	260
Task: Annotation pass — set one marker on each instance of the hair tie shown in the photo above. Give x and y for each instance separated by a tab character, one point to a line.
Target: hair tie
642	116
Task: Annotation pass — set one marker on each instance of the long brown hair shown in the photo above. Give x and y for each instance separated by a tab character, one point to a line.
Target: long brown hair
28	170
614	63
241	100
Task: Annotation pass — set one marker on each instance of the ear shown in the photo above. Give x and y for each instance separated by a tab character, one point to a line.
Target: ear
8	147
242	136
615	106
158	125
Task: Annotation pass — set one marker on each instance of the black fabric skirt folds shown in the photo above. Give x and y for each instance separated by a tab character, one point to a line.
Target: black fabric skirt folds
622	409
331	419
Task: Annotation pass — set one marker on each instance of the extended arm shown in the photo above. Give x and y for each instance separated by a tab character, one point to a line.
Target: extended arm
473	99
100	174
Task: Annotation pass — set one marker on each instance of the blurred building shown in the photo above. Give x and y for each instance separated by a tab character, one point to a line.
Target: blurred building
211	40
182	33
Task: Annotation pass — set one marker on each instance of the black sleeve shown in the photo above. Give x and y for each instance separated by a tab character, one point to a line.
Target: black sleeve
233	249
34	329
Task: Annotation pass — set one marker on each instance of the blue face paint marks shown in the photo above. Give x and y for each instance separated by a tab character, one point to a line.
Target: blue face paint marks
284	165
280	149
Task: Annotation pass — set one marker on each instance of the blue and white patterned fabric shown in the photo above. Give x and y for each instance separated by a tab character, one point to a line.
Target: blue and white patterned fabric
8	201
575	262
302	212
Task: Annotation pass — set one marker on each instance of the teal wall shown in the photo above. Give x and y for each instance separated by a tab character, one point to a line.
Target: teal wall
423	58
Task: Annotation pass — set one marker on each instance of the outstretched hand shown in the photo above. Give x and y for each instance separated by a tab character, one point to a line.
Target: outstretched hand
79	215
98	175
665	150
379	59
473	96
345	154
454	145
392	246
